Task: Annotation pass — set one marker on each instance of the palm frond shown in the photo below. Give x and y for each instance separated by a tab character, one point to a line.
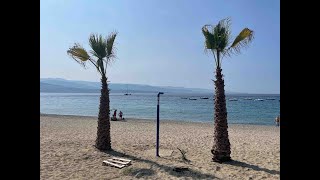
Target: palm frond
222	34
98	45
217	38
79	54
111	49
209	37
244	38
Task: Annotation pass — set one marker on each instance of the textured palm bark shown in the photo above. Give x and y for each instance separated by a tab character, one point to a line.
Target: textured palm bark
221	146
103	141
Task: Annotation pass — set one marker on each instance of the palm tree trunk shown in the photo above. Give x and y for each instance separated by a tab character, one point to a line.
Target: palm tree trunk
221	146
103	141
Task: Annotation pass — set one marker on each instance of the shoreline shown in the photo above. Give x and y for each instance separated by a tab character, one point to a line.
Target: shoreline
150	120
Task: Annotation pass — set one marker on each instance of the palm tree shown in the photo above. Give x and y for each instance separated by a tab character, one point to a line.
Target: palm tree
217	40
104	52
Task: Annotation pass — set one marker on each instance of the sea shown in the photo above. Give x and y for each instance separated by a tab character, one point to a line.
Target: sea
242	109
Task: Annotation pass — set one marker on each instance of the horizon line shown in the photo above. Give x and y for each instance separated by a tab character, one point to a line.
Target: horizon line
230	92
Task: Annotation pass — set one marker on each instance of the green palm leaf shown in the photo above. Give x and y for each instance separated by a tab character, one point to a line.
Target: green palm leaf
217	38
110	45
209	38
98	45
79	54
222	34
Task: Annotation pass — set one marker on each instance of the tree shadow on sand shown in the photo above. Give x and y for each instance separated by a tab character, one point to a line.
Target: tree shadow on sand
254	167
138	172
169	169
119	120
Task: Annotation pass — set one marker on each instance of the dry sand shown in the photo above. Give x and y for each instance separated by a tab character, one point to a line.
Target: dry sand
67	151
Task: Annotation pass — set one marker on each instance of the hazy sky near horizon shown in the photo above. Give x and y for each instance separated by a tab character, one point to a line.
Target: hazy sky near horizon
160	41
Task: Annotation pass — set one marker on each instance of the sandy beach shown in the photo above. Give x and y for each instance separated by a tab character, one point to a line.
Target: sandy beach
67	151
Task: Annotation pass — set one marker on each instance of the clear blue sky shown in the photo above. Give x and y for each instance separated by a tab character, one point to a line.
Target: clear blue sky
160	41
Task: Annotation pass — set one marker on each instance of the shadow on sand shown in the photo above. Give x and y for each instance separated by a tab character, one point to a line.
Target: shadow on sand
169	169
256	168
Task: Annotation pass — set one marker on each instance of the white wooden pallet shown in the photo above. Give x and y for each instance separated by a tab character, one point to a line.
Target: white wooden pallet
117	162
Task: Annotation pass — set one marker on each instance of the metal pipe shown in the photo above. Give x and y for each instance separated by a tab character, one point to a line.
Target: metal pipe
158	124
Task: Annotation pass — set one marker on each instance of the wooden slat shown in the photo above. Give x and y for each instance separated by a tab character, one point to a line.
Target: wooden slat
119	162
126	160
113	164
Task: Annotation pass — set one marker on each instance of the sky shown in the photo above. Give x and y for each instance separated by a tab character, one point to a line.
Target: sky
160	42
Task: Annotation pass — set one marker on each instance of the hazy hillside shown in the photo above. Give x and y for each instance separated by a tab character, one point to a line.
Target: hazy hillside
58	85
53	88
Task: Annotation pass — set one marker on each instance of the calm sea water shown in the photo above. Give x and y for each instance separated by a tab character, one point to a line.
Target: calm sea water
172	106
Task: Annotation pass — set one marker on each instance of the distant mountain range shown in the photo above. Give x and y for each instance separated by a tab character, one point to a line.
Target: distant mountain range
58	85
